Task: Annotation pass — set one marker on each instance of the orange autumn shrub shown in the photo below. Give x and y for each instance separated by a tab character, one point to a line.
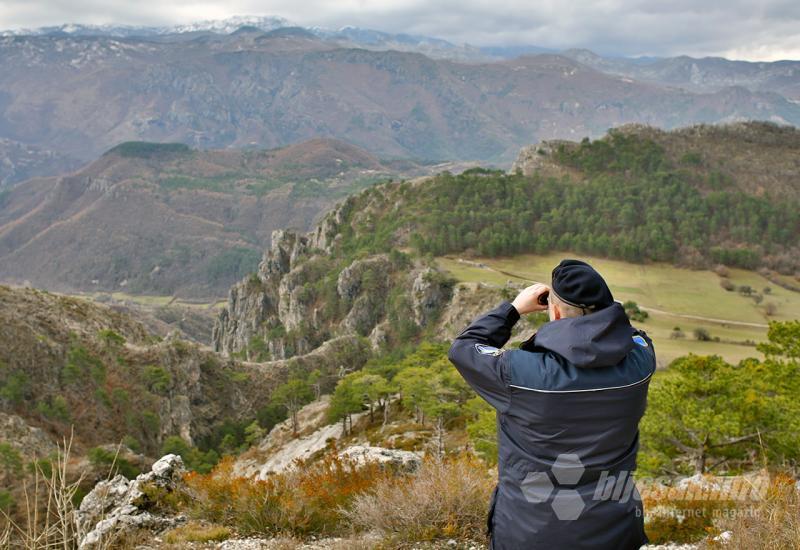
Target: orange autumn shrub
309	498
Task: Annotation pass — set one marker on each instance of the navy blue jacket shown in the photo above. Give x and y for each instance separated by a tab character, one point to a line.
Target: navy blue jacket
568	410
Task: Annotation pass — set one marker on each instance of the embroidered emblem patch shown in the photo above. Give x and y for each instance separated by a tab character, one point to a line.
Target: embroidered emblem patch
639	340
487	350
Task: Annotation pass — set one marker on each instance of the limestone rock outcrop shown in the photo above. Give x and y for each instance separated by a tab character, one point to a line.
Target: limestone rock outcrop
28	441
537	158
265	300
119	505
363	454
291	306
428	296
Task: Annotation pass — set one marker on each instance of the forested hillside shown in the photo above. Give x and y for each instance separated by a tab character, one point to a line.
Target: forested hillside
626	196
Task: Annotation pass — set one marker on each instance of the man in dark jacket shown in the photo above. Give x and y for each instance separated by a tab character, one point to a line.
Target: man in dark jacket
568	409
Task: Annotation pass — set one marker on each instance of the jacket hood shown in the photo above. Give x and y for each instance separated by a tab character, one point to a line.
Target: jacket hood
600	339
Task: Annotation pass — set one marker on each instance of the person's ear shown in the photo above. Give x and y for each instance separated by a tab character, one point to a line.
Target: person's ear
556	312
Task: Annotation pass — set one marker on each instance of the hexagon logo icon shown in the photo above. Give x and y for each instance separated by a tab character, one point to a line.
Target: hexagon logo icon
536	487
568	469
568	504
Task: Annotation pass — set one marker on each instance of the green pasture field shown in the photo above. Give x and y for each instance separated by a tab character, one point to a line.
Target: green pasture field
674	297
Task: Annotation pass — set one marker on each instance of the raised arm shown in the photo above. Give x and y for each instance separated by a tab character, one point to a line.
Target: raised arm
477	355
477	352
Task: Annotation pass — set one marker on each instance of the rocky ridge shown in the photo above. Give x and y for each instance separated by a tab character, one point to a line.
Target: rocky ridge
281	307
308	290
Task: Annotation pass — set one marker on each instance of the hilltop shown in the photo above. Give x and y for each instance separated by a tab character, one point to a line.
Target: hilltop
756	158
166	219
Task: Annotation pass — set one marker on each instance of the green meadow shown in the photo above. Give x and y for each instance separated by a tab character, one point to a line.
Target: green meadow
674	298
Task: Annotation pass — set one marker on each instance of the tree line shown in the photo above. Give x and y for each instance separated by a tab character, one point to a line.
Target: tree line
630	203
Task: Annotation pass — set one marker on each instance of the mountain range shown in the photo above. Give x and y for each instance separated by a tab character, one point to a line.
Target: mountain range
78	91
165	219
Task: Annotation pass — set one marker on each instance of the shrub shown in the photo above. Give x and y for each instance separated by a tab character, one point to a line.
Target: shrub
745	290
80	364
114	464
444	498
14	385
151	422
727	284
482	429
677	334
681	521
195	459
722	271
10	460
310	498
6	500
692	158
157	379
634	312
701	334
132	443
55	408
111	338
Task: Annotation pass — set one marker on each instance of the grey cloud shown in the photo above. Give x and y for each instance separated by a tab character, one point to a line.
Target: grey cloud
757	30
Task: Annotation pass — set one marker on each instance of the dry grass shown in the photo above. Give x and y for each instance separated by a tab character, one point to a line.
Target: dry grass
446	498
197	532
774	523
49	509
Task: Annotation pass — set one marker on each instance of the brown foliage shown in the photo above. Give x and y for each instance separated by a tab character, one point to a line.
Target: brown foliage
773	523
445	498
309	498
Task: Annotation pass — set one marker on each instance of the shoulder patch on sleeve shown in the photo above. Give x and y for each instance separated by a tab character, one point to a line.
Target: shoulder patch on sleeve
487	350
640	340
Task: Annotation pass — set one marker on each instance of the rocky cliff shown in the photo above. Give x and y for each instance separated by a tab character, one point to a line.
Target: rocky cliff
328	283
308	289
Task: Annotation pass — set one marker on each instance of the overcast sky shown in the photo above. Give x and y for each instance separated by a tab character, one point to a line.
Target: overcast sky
740	29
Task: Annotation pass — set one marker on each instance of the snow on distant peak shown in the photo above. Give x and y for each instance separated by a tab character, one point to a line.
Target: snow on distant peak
231	24
220	26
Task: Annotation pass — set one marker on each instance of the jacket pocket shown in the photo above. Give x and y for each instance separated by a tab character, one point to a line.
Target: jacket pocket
490	516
